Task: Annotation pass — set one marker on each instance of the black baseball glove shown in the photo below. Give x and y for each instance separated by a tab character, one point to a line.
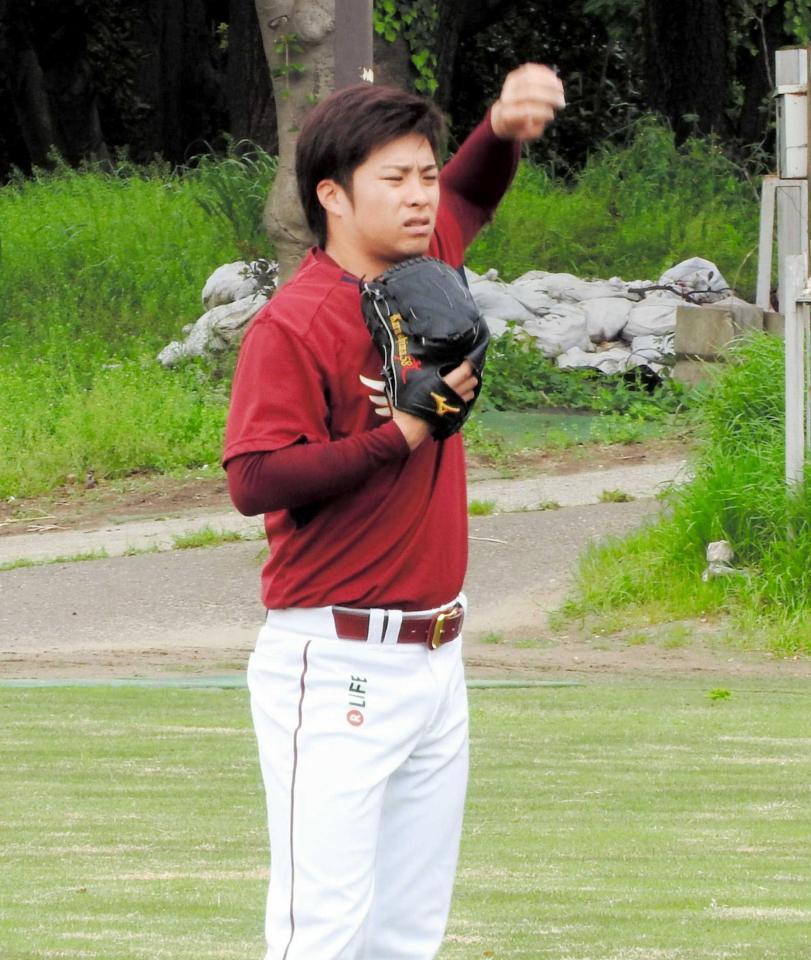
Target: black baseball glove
424	322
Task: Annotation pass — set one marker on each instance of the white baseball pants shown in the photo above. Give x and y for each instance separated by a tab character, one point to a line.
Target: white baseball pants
364	755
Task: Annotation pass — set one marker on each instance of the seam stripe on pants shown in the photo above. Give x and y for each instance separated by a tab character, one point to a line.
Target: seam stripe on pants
293	798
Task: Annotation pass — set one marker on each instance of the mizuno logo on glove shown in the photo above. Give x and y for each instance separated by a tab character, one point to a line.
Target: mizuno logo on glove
443	408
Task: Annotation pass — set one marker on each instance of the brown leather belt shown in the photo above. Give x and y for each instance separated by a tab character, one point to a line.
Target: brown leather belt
434	630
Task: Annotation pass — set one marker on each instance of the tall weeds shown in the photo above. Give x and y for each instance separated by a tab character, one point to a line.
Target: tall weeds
97	272
737	494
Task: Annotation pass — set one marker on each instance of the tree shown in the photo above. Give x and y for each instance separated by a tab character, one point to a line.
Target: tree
686	63
296	36
50	80
593	54
248	90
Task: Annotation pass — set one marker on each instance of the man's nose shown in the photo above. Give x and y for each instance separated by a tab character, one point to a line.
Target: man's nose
417	194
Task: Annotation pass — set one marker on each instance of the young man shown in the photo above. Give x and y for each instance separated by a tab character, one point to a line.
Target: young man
357	688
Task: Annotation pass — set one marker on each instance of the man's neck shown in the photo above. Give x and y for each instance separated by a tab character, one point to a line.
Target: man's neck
353	262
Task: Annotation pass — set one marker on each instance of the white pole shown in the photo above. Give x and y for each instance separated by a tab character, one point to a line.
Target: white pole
765	241
795	277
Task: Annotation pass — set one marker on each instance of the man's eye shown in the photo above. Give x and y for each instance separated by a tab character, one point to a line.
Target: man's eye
393	179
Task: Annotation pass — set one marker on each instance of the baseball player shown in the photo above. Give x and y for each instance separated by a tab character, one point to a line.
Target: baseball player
357	688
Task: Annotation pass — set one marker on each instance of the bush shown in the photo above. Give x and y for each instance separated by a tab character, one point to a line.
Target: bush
521	377
632	212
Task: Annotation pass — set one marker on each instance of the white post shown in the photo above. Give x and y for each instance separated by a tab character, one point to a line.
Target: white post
764	253
795	365
792	227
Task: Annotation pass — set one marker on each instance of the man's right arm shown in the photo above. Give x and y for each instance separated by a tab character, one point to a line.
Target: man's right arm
308	472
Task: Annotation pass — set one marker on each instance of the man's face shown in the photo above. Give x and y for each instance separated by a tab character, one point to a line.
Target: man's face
391	213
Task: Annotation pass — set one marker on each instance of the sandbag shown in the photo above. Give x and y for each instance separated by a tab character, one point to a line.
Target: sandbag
652	316
215	331
610	361
496	302
558	332
652	351
566	287
606	317
234	281
696	279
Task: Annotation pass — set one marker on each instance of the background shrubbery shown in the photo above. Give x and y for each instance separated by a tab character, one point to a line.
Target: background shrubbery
98	271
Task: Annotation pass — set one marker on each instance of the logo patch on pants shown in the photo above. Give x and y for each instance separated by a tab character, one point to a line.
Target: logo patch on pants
357	700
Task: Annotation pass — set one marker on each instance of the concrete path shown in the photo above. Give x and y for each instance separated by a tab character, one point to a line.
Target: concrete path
182	612
569	490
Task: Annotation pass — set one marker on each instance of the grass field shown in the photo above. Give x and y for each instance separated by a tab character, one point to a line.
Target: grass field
659	819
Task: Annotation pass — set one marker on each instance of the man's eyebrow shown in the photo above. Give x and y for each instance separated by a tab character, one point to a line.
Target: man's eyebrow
408	166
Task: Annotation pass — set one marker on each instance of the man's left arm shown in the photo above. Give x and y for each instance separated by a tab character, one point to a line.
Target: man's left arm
478	176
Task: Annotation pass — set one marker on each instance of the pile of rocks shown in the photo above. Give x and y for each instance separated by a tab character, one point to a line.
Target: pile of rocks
608	325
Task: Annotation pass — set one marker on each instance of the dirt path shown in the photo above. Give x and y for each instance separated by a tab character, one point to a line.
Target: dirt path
197	611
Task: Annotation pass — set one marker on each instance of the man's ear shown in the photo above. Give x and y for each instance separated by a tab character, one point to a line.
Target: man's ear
332	197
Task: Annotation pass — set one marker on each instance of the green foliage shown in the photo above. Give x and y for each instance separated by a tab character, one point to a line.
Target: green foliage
632	212
287	69
520	377
738	494
416	22
233	191
98	272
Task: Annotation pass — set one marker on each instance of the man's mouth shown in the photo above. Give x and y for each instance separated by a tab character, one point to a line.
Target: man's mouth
418	223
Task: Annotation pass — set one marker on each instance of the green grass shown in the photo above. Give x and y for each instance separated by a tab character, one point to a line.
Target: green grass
621	819
502	436
207	537
81	557
481	508
98	272
632	212
615	496
738	494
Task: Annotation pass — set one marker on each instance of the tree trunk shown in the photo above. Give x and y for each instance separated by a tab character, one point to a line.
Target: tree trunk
459	19
393	63
51	84
176	77
686	63
249	94
298	33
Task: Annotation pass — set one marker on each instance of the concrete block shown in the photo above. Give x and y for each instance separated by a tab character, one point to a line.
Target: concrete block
745	316
706	332
691	372
702	332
